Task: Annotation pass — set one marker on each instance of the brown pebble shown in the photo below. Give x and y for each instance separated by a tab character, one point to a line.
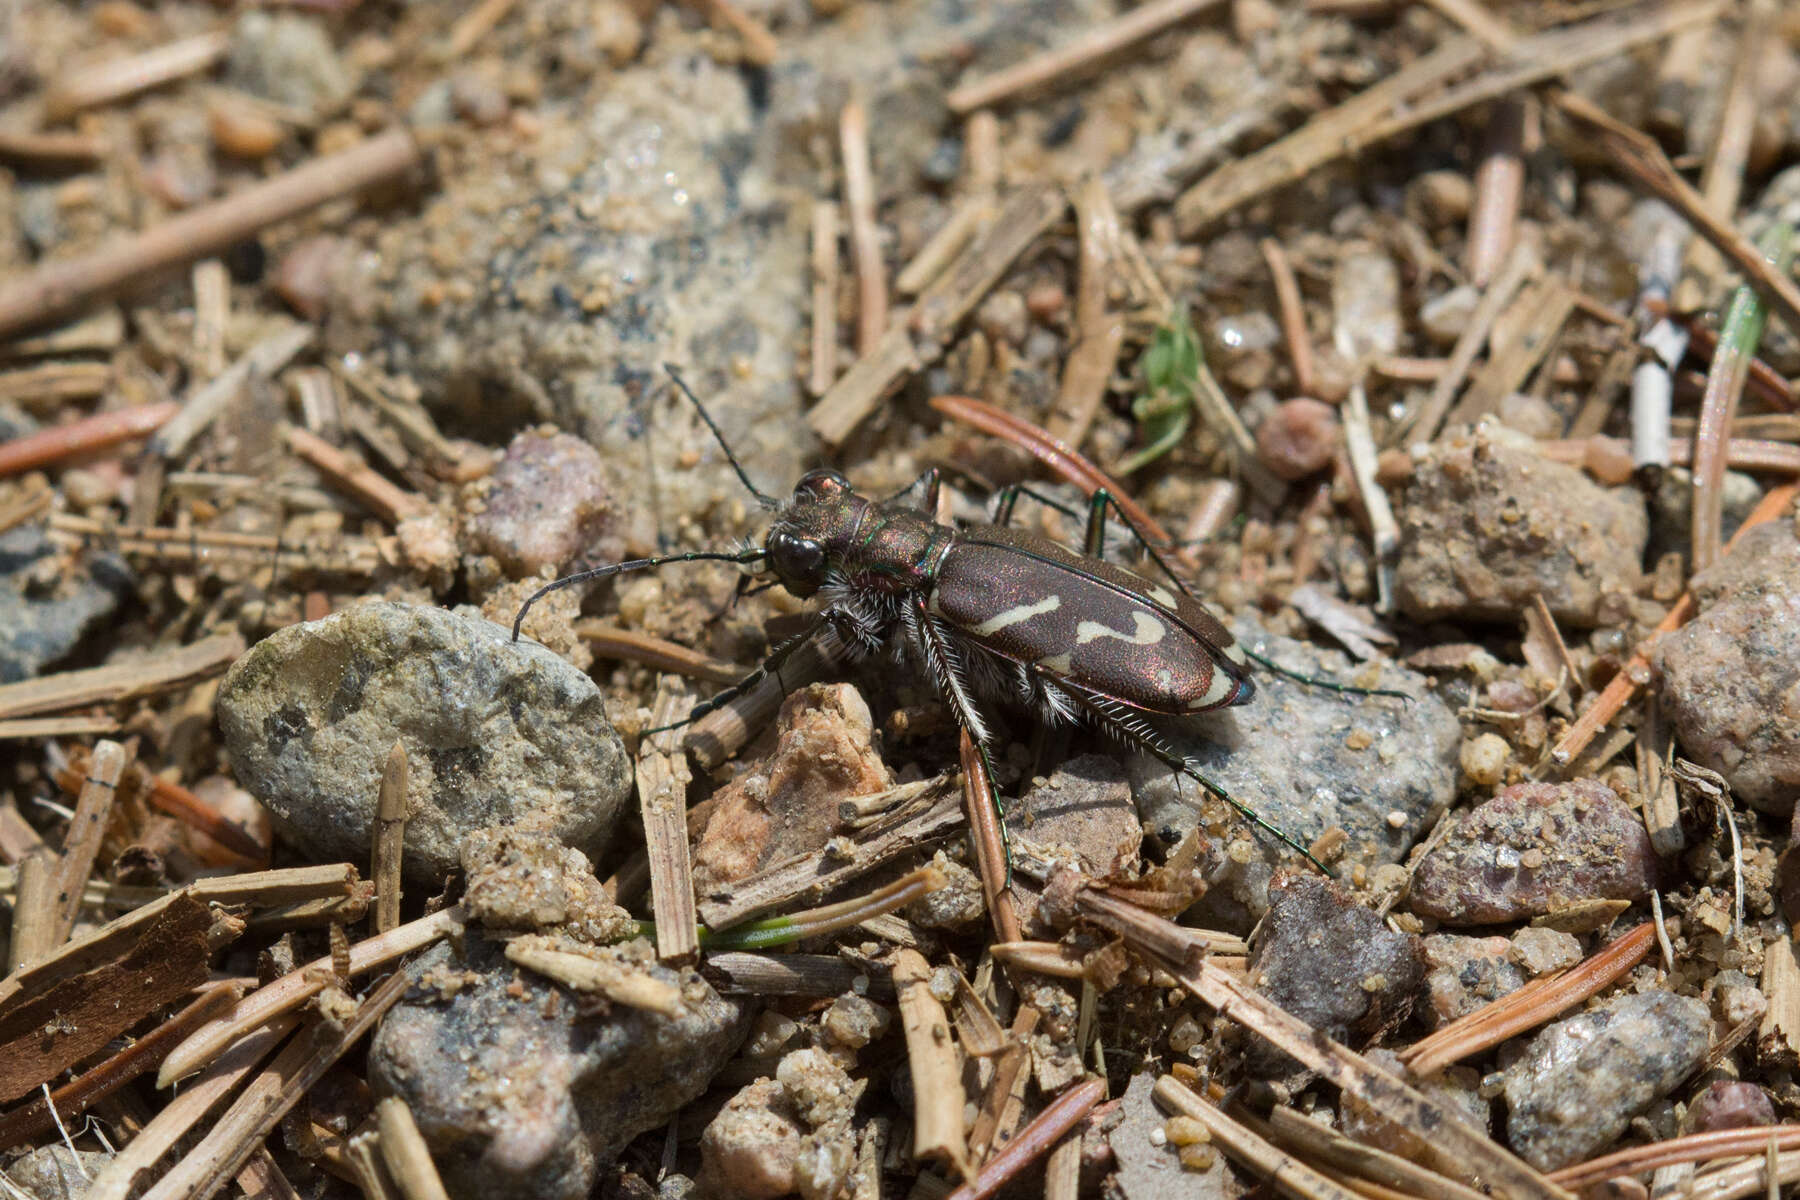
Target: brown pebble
1729	1104
478	99
243	133
1393	467
304	279
1608	460
616	31
1298	438
1045	301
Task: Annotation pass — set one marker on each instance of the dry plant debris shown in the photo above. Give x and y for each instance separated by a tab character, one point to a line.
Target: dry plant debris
1447	350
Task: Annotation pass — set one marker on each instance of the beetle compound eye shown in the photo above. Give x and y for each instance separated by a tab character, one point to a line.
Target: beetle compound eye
821	485
798	561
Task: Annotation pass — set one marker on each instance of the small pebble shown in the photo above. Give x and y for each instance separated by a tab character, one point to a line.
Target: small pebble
1541	951
1004	318
1535	848
1464	973
307	275
1045	302
546	507
1729	1104
1484	759
1609	460
1444	316
1365	300
616	30
1186	1131
1443	197
244	133
1298	438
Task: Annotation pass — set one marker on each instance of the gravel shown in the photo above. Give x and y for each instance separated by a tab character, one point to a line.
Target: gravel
1579	1082
1533	849
496	733
519	1091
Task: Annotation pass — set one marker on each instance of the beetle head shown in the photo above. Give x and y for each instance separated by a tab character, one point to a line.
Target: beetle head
813	531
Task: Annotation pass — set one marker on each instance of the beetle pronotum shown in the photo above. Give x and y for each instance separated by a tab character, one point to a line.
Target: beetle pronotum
987	611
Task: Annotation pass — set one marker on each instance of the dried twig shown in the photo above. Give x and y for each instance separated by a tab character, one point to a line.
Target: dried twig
1541	309
1329	1149
1293	315
48	384
1034	1141
1529	1006
1099	334
103	83
821	872
607	640
1405	101
823	369
224	1150
48	447
38	148
33	911
1694	1147
820	976
404	1150
722	732
357	479
865	236
86	827
1499	181
1520	266
936	1070
919	338
662	779
572	966
989	841
389	851
1088	47
1740	454
207	401
58	288
296	988
106	685
184	1111
1289	1175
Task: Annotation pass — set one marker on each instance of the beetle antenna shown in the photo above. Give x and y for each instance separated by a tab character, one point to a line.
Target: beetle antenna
766	500
636	564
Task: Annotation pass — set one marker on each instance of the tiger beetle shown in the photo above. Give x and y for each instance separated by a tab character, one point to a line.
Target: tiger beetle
990	611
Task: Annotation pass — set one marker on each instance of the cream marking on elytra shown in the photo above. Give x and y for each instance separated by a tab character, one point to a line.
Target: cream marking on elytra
1059	664
1013	616
1216	691
1149	631
1235	653
1162	596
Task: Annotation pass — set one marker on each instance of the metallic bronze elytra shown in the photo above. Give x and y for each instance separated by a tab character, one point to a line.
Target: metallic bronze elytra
987	611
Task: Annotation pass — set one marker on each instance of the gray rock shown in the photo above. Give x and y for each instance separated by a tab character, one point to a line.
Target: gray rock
1148	1166
496	733
48	604
1535	848
1580	1081
1731	677
1485	524
1306	760
1333	963
518	1093
288	59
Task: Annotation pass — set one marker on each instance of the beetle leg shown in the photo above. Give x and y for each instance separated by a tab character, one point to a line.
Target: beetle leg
1133	730
768	666
1008	499
945	664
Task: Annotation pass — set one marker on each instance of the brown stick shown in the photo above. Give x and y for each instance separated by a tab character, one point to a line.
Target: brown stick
865	235
1741	454
390	838
1499	181
609	641
936	1073
90	87
990	843
57	289
403	1149
85	831
1088	47
389	502
662	779
1293	315
34	148
50	446
34	911
1529	1006
1098	333
102	685
823	369
1034	1141
1695	1147
1289	1175
1625	684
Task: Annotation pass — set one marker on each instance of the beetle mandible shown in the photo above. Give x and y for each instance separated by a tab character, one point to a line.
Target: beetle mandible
988	611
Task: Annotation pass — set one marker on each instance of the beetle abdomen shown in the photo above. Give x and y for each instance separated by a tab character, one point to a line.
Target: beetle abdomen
1095	626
